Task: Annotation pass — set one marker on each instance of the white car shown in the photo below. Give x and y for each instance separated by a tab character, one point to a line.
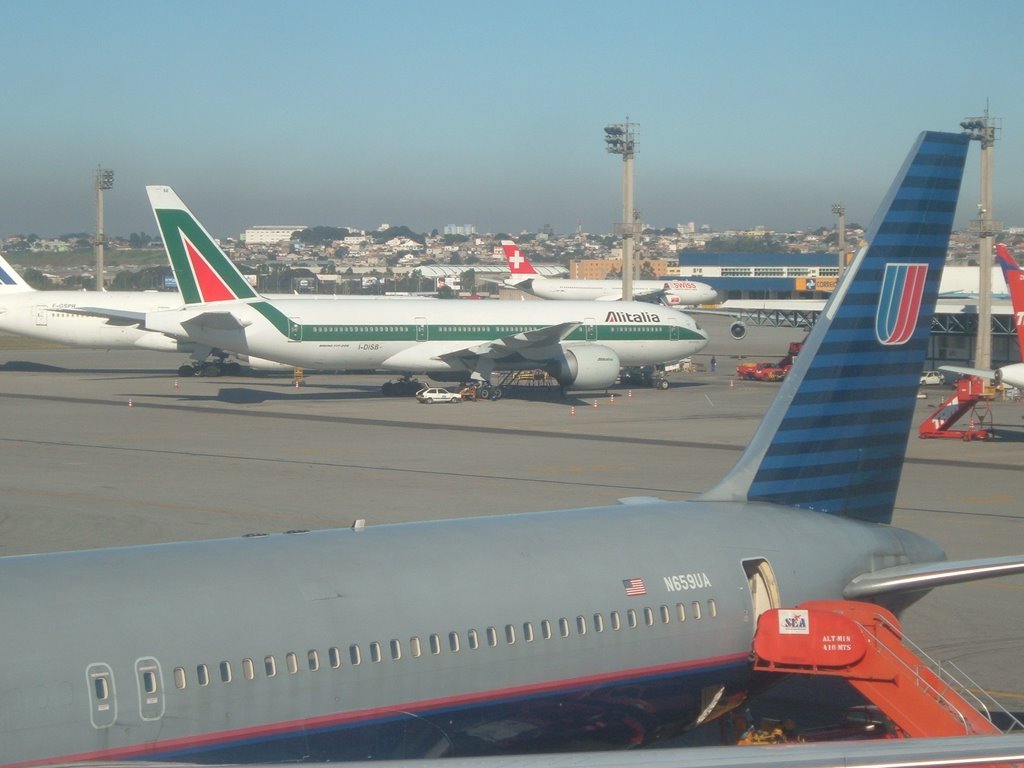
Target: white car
932	377
438	395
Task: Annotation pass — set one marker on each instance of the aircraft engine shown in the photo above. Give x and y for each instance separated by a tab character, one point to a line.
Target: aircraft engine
586	366
738	330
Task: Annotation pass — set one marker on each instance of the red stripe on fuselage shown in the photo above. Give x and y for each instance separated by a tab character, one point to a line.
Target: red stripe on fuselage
227	738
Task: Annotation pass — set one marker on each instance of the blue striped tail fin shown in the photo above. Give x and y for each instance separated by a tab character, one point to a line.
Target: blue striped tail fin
835	437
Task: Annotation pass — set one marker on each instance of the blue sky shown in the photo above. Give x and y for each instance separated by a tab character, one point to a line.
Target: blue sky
492	114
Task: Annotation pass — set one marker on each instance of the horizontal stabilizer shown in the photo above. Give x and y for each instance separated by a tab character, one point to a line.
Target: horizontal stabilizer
226	321
516	281
911	578
123	316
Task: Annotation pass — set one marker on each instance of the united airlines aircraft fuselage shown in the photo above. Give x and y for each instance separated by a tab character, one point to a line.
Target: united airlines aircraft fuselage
510	633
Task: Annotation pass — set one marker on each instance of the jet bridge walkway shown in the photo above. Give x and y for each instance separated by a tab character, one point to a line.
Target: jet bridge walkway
865	644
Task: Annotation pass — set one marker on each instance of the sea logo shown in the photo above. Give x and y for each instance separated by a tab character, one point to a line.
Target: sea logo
899	302
793	622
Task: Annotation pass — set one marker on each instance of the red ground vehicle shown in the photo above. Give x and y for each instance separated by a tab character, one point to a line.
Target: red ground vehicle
770	371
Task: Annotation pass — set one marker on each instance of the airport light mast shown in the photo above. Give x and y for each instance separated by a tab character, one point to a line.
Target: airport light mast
104	180
620	139
983	129
840	210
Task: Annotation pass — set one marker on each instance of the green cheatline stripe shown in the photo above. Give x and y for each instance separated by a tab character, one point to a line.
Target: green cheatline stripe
457	332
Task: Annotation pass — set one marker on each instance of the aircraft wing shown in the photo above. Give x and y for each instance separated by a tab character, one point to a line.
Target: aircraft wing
878	753
925	576
964	371
521	343
117	316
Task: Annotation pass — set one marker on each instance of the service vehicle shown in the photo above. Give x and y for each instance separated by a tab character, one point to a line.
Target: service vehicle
438	395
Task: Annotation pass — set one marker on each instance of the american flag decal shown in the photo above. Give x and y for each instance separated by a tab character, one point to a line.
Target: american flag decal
634	587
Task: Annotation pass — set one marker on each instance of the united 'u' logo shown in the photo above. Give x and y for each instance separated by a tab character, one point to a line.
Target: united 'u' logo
899	302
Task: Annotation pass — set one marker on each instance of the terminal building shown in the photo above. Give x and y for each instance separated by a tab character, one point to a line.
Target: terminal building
793	285
269	235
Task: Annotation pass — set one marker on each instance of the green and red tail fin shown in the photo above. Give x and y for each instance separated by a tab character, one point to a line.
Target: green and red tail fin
204	272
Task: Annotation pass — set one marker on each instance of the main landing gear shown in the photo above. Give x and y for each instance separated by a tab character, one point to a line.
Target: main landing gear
210	368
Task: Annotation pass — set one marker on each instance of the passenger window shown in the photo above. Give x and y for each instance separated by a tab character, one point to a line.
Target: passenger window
696	609
510	634
435	644
563	627
101	688
631	618
648	617
180	680
293	663
666	615
528	631
414	647
681	611
334	656
313	660
598	622
581	625
375	654
248	669
355	655
492	636
545	629
474	639
270	666
396	650
712	608
453	641
225	671
149	682
203	675
616	621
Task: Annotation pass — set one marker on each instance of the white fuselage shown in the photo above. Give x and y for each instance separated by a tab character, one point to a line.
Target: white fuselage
672	292
431	336
48	315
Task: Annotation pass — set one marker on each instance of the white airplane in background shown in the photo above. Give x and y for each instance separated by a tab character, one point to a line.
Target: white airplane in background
568	629
116	320
92	319
672	293
1012	374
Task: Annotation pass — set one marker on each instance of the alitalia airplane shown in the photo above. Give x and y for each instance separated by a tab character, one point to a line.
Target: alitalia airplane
1012	374
563	630
582	344
668	292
